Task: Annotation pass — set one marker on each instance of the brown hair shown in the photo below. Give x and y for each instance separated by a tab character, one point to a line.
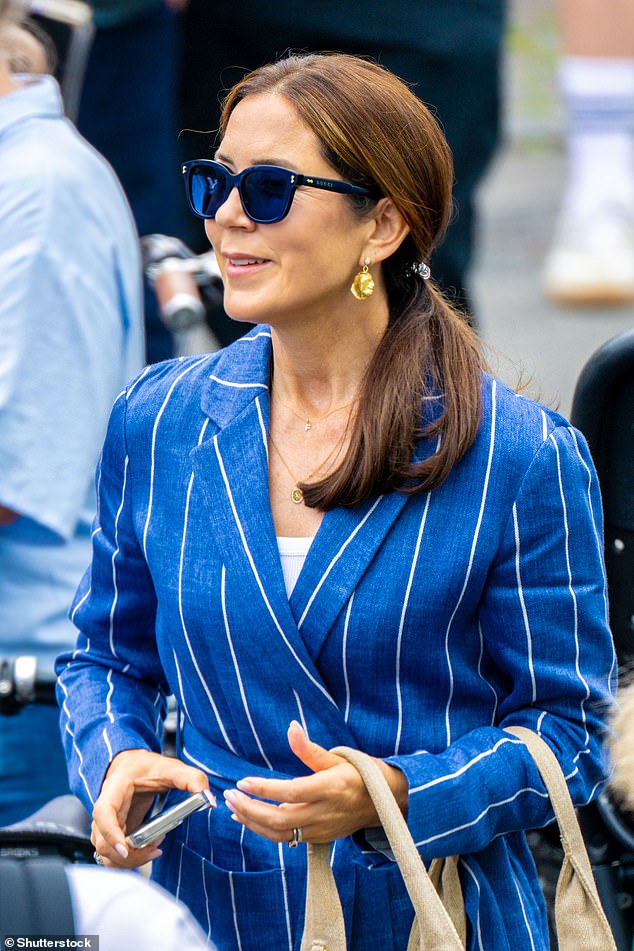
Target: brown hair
23	45
375	132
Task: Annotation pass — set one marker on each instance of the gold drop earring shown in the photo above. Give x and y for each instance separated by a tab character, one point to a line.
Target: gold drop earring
363	285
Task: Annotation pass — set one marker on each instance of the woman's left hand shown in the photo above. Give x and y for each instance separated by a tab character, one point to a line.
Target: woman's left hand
330	804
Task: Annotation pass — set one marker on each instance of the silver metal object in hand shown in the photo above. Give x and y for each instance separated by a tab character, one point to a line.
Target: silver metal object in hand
97	857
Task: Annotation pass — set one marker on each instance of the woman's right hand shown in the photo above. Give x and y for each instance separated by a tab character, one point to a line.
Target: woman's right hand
132	781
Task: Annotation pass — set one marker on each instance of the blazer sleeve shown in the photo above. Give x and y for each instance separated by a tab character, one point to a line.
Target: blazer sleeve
543	618
111	688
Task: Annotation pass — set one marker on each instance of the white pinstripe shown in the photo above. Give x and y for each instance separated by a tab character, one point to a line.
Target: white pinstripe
180	870
109	712
203	682
205	768
280	849
262	427
180	686
300	710
202	431
247	550
79	604
235	911
249	338
519	895
344	656
520	594
238	386
79	650
98	495
244	858
202	872
473	822
159	716
115	596
335	560
478	930
106	739
599	542
467	766
573	596
68	730
127	392
471	558
153	450
483	678
399	639
243	693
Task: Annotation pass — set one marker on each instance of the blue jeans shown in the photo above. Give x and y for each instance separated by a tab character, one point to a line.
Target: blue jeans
32	762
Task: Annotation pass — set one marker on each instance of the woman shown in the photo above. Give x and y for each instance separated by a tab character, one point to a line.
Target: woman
338	530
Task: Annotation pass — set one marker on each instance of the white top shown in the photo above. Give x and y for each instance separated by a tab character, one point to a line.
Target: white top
130	913
293	553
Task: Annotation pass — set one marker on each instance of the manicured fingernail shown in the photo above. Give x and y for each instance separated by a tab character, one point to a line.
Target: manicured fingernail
234	817
121	849
244	784
230	797
156	854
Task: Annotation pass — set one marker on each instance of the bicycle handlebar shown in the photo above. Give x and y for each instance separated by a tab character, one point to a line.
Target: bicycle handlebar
22	682
184	282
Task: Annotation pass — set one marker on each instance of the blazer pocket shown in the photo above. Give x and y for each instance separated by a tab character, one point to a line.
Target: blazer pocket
236	908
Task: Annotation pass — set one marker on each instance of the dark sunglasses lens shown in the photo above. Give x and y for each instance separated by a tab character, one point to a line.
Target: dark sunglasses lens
208	190
266	194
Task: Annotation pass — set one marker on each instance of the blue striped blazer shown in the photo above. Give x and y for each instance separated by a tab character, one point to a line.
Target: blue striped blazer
418	629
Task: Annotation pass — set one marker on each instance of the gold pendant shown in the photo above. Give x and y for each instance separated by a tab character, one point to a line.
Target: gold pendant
307	425
363	284
297	496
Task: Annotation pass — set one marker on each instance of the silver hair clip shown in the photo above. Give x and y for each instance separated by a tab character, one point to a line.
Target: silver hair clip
422	269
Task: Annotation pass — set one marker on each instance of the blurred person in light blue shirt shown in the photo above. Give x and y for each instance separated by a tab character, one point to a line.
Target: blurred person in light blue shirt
71	335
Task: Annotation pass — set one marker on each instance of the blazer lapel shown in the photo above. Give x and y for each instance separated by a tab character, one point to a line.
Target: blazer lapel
347	541
230	467
343	548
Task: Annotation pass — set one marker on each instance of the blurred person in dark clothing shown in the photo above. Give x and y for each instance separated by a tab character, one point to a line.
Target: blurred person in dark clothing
128	112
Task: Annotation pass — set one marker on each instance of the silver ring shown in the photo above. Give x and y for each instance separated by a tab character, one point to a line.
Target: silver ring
298	837
97	857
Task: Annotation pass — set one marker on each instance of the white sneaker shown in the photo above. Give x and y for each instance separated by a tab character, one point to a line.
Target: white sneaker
591	261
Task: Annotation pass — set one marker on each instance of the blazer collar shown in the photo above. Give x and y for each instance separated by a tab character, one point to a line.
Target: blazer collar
238	377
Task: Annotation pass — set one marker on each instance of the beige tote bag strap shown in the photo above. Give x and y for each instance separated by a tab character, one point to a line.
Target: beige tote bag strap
580	919
324	929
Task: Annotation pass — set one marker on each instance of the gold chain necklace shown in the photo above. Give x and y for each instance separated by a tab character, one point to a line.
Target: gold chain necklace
297	496
308	422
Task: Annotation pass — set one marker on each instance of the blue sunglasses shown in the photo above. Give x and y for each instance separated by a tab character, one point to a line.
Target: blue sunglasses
266	191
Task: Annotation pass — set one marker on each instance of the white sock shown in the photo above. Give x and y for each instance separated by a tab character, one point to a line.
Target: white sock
598	95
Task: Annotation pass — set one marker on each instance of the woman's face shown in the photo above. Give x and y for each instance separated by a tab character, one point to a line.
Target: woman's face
298	269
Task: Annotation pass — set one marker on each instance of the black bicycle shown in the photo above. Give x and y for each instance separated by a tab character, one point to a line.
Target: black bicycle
62	826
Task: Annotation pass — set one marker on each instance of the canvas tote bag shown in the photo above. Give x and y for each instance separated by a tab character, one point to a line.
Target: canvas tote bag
440	923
